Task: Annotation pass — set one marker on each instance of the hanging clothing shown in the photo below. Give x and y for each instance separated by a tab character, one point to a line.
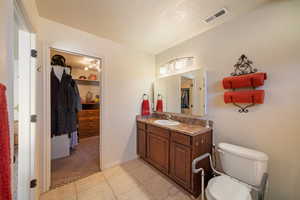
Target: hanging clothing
185	98
55	86
59	70
74	139
78	104
64	104
5	161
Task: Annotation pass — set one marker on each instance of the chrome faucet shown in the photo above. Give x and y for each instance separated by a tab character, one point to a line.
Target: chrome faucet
168	116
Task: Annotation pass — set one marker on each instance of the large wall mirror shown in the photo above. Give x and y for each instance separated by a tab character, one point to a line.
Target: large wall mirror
182	93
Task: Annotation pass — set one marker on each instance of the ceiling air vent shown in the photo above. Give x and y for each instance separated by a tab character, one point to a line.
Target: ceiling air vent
221	12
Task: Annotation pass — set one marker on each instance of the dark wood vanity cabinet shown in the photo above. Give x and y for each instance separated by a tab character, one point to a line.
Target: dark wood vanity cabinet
172	153
180	166
141	140
158	151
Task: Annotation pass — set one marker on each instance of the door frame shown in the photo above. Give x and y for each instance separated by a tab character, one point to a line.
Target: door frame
27	172
46	141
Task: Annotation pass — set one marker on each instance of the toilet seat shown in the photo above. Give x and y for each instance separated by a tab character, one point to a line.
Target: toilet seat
225	188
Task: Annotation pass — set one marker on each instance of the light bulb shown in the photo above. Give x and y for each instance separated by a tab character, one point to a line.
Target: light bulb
163	70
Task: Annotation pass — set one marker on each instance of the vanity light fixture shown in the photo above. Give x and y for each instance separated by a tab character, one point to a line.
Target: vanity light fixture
163	70
176	65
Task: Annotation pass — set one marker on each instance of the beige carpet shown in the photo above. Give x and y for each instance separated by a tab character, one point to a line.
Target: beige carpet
82	162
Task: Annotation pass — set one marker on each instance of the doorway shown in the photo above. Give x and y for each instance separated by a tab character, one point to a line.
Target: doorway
187	85
75	145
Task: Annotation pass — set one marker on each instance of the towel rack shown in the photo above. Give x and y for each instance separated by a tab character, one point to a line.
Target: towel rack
244	67
244	109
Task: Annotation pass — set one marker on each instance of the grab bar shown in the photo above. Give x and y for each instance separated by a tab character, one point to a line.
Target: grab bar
197	170
260	190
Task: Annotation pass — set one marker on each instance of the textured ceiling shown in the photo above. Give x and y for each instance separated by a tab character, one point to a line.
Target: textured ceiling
148	25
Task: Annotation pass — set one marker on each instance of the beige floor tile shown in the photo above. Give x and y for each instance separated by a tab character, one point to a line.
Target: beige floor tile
144	173
114	171
132	164
122	183
179	196
66	192
134	180
101	191
89	182
138	193
160	188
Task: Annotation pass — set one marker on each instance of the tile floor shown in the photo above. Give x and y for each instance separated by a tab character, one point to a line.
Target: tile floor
134	180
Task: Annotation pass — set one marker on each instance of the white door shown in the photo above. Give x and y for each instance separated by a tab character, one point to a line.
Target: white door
27	141
34	117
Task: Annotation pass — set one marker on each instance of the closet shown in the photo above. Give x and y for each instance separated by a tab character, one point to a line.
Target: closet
75	116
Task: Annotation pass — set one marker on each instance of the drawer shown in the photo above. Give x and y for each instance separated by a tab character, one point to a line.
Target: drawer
159	131
181	138
89	113
88	122
85	129
141	126
89	119
84	134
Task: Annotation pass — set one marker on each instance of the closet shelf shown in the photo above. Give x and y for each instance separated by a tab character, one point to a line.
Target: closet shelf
87	82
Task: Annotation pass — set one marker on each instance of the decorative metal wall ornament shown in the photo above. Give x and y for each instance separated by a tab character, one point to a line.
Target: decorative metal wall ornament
243	109
243	66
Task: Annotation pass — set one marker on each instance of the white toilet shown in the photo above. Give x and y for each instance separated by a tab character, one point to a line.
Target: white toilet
244	164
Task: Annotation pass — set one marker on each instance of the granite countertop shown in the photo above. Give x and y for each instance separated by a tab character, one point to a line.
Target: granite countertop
185	128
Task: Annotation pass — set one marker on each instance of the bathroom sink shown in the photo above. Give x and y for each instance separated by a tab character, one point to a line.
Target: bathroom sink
166	122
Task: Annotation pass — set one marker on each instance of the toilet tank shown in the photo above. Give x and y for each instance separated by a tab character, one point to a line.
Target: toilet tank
242	163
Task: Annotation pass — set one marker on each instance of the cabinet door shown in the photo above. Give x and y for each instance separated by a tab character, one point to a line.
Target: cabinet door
158	151
180	168
141	143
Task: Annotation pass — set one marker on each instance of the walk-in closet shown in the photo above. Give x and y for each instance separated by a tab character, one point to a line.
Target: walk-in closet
75	116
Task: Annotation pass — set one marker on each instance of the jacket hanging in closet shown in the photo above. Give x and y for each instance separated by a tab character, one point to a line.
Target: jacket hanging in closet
64	104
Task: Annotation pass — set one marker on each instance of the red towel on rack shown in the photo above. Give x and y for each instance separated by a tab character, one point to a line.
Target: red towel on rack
159	105
249	80
5	161
252	96
145	107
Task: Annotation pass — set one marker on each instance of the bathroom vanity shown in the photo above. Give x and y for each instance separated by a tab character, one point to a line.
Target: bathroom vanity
172	148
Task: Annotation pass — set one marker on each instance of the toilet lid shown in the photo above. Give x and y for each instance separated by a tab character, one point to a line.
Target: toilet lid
224	188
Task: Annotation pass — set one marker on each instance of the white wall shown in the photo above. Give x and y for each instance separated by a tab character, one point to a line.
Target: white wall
270	36
127	75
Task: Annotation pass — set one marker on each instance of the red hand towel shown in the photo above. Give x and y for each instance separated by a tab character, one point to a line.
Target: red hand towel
159	105
5	161
145	107
249	80
253	96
